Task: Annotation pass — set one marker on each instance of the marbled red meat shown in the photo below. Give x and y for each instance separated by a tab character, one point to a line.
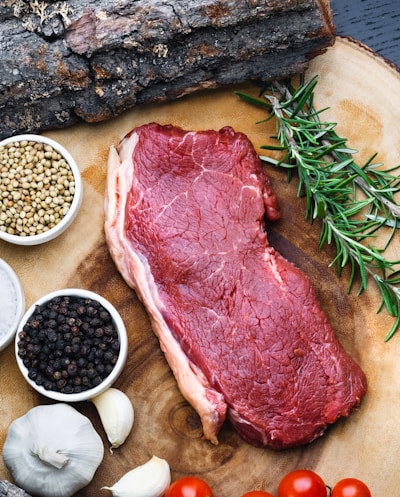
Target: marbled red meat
240	326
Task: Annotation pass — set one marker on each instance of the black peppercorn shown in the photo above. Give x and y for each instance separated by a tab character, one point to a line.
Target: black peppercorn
91	311
57	375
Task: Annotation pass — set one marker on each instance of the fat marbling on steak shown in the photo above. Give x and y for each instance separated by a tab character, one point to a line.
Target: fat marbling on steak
240	326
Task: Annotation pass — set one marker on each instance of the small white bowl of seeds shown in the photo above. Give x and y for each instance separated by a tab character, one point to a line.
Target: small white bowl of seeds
40	189
71	345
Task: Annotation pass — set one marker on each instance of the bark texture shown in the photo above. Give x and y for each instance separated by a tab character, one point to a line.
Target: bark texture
7	489
66	60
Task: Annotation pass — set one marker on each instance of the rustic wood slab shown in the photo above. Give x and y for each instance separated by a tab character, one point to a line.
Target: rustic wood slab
363	93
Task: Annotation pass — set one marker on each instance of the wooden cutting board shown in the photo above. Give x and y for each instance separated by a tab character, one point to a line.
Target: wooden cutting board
363	92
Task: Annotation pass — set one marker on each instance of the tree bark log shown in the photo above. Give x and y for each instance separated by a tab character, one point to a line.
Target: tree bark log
8	489
69	60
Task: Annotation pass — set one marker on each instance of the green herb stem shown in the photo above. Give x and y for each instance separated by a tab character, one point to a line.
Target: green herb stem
353	202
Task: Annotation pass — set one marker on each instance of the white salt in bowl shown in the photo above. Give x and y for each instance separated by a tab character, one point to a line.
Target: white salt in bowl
87	300
31	181
12	303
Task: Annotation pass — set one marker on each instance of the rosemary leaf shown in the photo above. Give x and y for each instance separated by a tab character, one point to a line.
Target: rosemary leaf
384	220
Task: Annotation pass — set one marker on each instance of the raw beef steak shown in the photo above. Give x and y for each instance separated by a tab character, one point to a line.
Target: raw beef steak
240	326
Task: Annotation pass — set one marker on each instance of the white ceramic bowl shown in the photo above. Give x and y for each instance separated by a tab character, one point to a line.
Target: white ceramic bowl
76	202
118	367
12	303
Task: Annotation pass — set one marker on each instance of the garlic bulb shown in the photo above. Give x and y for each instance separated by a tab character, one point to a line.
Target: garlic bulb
149	480
52	451
116	414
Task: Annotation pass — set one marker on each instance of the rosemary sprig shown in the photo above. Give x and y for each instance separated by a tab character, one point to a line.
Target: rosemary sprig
353	202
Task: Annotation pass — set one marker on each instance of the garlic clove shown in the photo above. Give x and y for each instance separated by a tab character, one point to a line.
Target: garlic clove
116	413
148	480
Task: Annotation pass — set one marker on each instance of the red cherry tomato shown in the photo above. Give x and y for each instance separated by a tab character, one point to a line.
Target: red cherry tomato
302	483
350	487
257	493
189	486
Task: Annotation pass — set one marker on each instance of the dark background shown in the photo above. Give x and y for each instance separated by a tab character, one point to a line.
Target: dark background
376	23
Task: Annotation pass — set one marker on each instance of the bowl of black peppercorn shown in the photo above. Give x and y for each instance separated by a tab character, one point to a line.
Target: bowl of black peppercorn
71	345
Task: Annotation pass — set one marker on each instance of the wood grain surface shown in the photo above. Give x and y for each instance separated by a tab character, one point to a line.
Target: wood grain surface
377	24
165	425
